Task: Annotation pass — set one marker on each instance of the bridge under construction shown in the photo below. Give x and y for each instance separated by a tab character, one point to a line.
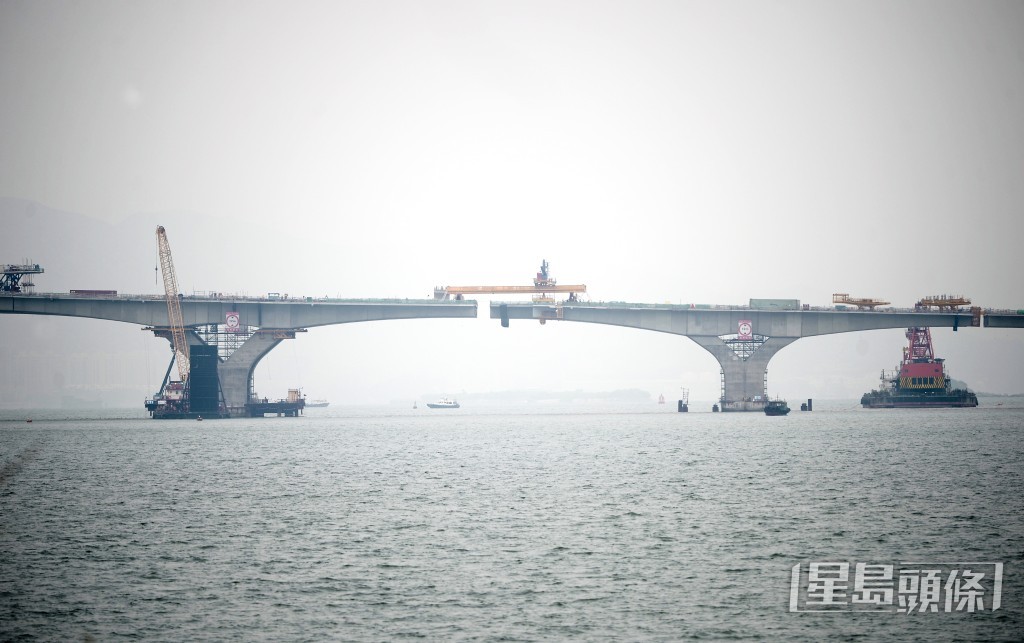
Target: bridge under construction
232	333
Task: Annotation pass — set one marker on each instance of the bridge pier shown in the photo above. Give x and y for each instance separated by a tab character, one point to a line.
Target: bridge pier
236	371
728	332
243	328
744	368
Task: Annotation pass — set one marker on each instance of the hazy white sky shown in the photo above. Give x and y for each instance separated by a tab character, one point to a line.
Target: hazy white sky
656	151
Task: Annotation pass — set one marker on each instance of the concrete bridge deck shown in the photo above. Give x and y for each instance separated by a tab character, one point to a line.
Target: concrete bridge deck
307	312
743	339
276	319
724	320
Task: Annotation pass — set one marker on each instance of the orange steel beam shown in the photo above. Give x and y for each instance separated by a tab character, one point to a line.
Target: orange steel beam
469	290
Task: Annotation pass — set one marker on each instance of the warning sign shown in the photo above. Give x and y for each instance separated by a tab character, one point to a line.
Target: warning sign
746	329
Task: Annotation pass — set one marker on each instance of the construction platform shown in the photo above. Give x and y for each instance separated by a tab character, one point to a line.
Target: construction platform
287	408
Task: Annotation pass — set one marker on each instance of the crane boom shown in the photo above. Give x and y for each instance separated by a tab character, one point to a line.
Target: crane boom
173	305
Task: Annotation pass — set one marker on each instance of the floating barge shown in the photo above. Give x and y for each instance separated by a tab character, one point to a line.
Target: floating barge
920	381
290	407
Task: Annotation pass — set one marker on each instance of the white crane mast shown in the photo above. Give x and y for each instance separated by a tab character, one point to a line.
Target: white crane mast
173	304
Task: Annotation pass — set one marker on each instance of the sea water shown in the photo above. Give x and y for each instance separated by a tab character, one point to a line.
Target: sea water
556	522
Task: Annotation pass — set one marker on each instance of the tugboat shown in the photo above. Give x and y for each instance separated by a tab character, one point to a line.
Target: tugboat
776	407
920	382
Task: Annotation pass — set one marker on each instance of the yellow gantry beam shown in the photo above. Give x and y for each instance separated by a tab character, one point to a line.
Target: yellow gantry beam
476	290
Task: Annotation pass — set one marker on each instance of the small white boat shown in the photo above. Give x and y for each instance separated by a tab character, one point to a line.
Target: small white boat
317	403
443	403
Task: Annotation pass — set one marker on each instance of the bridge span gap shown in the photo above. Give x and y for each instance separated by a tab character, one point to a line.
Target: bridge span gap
743	340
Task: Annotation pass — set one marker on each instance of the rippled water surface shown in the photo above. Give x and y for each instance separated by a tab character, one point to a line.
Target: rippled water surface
502	524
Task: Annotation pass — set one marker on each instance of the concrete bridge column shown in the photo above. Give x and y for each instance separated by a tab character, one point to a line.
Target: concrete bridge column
744	377
236	371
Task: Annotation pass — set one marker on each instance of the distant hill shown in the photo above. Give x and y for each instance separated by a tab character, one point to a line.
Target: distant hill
537	396
955	383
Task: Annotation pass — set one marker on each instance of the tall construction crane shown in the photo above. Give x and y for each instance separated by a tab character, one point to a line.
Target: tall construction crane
12	274
173	305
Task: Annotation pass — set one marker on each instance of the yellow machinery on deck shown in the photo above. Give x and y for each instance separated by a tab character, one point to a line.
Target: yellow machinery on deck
860	302
944	302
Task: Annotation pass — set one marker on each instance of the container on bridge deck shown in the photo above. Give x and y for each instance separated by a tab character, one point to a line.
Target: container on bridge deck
94	293
775	304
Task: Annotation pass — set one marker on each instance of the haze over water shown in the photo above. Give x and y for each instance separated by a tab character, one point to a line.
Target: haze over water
502	523
685	152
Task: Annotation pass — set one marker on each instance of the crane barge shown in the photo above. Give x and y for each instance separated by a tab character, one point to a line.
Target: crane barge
196	392
920	381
